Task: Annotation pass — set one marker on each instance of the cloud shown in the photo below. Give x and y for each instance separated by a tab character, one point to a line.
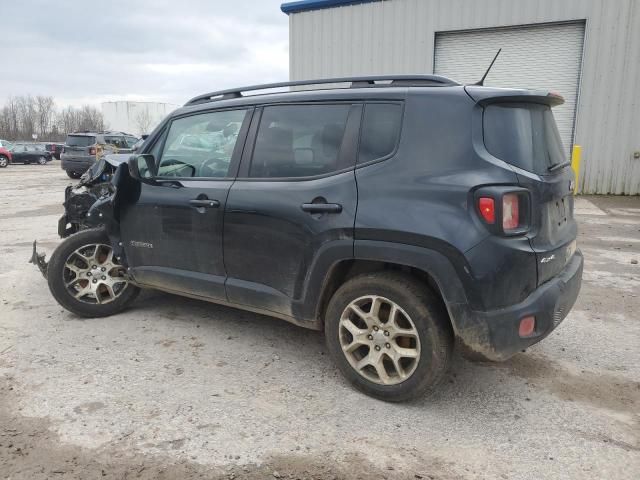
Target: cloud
154	50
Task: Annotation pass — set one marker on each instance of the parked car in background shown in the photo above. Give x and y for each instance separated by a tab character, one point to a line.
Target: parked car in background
5	153
29	153
131	140
82	149
55	149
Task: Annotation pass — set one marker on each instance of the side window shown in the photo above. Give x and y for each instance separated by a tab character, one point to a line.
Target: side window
201	145
380	131
299	141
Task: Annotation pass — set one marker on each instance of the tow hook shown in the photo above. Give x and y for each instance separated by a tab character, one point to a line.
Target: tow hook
38	259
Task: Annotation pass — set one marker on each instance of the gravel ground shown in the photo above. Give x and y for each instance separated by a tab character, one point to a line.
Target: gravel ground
177	388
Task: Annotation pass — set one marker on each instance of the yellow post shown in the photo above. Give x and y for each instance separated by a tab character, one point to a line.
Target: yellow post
576	156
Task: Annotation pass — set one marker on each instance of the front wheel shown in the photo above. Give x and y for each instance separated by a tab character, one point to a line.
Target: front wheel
389	335
4	161
85	277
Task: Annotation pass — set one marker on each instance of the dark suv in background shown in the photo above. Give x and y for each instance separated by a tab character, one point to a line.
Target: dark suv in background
82	148
55	149
400	215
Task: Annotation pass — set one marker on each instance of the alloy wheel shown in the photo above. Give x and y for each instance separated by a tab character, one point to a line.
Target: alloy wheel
42	160
92	275
379	340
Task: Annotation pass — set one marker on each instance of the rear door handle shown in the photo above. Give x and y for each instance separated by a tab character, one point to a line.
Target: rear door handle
206	203
321	207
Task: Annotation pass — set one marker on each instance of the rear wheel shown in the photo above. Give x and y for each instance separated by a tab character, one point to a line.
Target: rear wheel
42	160
85	277
389	335
73	175
4	161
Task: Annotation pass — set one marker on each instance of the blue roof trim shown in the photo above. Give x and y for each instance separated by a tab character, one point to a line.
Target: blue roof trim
305	5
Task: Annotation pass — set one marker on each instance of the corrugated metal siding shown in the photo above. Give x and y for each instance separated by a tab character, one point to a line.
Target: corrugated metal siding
546	57
398	36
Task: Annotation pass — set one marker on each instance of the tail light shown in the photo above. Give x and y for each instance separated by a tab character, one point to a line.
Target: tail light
92	150
504	210
487	206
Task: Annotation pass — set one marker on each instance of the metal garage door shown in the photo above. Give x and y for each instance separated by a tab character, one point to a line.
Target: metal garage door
538	56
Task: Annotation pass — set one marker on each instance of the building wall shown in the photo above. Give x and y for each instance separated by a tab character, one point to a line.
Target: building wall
132	117
397	36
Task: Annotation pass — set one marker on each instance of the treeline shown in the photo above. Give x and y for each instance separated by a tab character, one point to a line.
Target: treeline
22	116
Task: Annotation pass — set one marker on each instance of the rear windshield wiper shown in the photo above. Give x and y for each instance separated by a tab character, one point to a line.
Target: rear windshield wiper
558	166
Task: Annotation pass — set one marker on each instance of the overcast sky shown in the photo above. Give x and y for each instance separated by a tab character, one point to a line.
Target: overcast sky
83	51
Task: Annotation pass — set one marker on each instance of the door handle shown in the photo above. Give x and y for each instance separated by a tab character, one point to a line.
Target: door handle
205	203
321	207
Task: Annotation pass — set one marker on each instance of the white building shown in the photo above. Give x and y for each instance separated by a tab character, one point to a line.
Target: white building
137	118
587	50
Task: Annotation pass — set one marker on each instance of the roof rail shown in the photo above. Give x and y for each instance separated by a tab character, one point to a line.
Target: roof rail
356	82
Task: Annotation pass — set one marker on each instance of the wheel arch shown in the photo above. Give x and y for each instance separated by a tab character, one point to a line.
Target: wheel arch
430	267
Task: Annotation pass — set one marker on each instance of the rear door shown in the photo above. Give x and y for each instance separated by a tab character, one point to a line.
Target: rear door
525	135
294	201
173	232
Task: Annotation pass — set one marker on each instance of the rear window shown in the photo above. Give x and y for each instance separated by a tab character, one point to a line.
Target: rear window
524	135
80	140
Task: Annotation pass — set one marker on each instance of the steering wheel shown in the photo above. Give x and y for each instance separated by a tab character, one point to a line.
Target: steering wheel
214	167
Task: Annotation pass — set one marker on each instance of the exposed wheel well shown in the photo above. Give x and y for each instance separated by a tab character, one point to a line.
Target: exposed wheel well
346	269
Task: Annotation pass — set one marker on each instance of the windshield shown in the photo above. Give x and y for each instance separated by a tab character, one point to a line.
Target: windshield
80	140
7	145
524	135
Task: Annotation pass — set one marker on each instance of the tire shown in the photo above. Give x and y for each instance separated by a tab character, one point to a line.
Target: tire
418	310
42	160
74	175
4	161
99	300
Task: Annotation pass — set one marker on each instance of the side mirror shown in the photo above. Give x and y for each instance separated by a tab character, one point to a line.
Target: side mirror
142	167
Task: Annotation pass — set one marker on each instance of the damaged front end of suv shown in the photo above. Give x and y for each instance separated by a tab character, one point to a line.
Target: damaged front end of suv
90	204
94	184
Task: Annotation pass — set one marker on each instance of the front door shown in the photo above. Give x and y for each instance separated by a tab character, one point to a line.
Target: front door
294	200
172	235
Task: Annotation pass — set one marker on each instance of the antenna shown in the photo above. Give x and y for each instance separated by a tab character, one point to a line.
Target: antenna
481	82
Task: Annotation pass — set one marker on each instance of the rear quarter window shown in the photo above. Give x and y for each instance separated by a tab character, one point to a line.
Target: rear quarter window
380	131
524	135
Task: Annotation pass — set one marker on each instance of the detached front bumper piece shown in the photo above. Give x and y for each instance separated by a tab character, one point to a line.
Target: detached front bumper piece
38	259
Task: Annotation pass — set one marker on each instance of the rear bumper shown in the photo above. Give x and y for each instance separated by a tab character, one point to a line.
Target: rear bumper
76	164
493	335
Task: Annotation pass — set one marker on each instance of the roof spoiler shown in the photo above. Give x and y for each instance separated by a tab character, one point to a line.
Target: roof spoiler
485	95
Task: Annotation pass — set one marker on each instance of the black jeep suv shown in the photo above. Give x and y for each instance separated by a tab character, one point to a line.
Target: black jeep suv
399	215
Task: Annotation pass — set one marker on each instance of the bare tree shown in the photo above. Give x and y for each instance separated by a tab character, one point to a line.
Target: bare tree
143	121
23	116
44	110
27	115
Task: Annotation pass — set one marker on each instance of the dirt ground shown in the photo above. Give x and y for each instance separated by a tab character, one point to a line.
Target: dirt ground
181	389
